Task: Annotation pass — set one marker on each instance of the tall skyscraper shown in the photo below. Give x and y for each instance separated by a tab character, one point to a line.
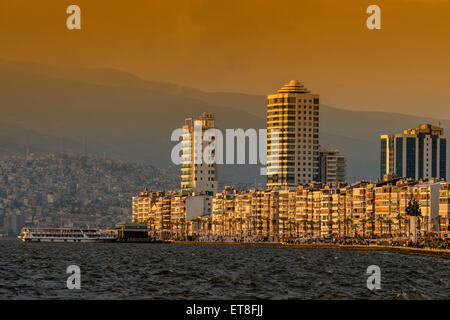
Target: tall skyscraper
293	158
196	174
420	153
333	167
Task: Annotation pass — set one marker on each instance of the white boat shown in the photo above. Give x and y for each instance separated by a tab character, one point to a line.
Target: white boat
64	235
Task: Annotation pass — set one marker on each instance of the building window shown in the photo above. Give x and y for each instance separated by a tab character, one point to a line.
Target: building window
443	159
383	157
434	158
411	158
399	157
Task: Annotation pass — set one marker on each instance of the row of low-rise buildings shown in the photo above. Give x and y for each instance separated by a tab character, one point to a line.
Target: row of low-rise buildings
362	209
171	214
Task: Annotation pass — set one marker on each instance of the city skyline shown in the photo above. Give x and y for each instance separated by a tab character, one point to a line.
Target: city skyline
212	153
293	207
281	213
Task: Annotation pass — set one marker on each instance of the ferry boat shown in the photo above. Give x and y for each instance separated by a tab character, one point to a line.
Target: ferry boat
64	235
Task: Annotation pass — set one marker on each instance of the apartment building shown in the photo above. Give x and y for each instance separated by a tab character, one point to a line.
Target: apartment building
198	175
332	167
170	214
292	136
362	209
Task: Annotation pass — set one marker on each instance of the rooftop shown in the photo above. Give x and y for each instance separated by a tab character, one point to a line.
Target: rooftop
294	87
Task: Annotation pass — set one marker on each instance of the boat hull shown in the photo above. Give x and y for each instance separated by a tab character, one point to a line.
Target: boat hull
64	235
66	240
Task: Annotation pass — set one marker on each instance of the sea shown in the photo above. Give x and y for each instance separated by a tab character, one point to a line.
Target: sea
203	271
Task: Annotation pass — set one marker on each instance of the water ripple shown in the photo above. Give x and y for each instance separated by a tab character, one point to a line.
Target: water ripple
169	271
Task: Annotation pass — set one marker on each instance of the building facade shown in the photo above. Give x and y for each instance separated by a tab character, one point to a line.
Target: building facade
170	215
292	136
332	167
420	153
362	209
197	175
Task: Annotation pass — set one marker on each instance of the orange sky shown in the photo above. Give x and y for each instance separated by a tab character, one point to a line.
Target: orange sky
252	46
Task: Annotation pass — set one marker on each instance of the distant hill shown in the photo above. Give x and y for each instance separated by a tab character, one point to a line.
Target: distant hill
18	140
126	117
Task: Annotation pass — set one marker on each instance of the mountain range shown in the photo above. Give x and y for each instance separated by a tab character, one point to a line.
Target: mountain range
110	112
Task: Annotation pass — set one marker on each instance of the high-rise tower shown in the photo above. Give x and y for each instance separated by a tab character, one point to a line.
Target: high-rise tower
293	158
196	174
420	153
333	167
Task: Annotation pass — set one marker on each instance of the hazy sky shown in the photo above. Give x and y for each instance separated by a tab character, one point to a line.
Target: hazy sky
252	46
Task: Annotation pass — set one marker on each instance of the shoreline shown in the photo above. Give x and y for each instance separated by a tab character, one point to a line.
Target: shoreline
440	253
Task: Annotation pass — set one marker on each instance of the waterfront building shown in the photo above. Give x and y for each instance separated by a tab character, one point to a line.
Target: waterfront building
362	209
179	215
197	175
170	214
332	167
417	154
132	232
292	136
141	206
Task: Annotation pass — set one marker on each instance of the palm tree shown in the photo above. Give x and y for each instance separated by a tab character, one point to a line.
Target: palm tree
389	223
183	227
330	226
380	219
209	224
223	221
255	225
230	223
297	229
320	227
363	222
176	223
283	222
355	229
399	221
305	226
290	224
339	222
371	220
438	220
241	229
347	221
267	220
311	225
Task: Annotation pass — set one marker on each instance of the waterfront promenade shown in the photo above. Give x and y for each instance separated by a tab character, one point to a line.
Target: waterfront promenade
441	253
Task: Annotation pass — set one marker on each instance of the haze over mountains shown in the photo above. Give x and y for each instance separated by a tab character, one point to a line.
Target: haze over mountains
106	111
